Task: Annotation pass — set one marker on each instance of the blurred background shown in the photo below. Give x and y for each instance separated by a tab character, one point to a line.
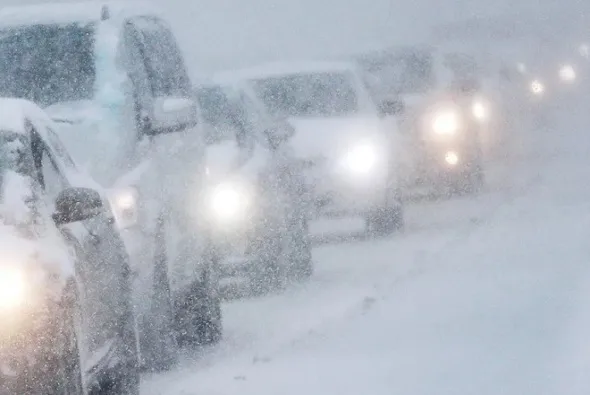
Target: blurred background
221	34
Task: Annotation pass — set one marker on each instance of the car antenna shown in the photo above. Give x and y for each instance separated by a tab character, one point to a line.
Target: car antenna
104	13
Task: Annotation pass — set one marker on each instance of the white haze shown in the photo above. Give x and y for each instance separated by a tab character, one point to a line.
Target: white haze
222	34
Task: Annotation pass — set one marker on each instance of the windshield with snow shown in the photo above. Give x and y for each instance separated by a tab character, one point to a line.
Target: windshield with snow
47	63
322	94
405	73
224	118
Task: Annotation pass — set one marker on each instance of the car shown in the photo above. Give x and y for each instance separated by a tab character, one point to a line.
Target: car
254	207
345	140
113	78
445	119
67	321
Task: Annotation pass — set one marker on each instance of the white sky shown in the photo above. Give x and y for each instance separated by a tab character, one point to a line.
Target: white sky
218	34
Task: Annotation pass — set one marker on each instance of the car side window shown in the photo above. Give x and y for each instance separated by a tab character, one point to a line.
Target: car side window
163	60
50	178
244	126
135	63
60	149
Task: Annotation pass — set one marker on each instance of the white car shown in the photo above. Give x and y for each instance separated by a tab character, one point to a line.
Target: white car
254	207
113	77
346	141
446	114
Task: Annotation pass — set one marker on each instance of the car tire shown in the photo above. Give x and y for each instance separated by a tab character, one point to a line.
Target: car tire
386	220
266	272
158	342
300	260
199	319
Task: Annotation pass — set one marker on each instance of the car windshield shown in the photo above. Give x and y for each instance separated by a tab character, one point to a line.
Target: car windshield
219	113
402	72
309	95
47	63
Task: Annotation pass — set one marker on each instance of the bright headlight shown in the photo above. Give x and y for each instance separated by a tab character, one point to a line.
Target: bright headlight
229	201
13	288
446	122
567	73
537	87
124	203
480	110
361	159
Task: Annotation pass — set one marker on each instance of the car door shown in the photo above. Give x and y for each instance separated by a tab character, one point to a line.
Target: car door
100	257
178	169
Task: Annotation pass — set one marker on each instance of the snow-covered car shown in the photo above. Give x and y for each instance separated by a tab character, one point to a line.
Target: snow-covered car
254	204
114	78
445	118
347	143
65	312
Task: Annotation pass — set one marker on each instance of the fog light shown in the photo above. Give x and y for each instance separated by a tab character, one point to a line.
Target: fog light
451	158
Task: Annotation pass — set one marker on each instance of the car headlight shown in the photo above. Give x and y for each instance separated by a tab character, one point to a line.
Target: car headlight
537	87
567	73
124	204
361	159
446	122
13	288
229	202
480	110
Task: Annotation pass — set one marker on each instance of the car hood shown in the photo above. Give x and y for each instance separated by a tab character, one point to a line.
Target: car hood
327	137
226	159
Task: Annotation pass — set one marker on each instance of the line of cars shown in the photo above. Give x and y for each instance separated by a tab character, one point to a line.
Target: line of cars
155	190
151	190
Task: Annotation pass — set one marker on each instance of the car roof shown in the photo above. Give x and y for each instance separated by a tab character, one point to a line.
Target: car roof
13	113
67	13
277	69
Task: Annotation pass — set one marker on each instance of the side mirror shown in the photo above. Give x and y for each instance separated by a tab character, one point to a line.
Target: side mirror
172	114
278	134
391	107
76	204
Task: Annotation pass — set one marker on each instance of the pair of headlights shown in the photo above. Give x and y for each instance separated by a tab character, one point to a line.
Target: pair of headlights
566	73
446	122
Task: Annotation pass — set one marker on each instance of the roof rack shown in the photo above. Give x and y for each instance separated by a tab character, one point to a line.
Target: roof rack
105	13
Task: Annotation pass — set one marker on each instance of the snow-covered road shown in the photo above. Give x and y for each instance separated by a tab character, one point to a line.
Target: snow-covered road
481	295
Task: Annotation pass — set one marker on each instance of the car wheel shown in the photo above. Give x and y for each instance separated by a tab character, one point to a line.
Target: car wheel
386	220
158	342
124	377
198	312
266	272
300	260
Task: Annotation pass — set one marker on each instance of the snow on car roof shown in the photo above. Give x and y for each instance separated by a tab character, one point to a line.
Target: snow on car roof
276	69
66	13
14	111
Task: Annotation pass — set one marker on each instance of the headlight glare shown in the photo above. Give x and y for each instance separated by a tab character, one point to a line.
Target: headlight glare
537	87
361	159
13	288
124	204
567	73
229	202
446	122
480	110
